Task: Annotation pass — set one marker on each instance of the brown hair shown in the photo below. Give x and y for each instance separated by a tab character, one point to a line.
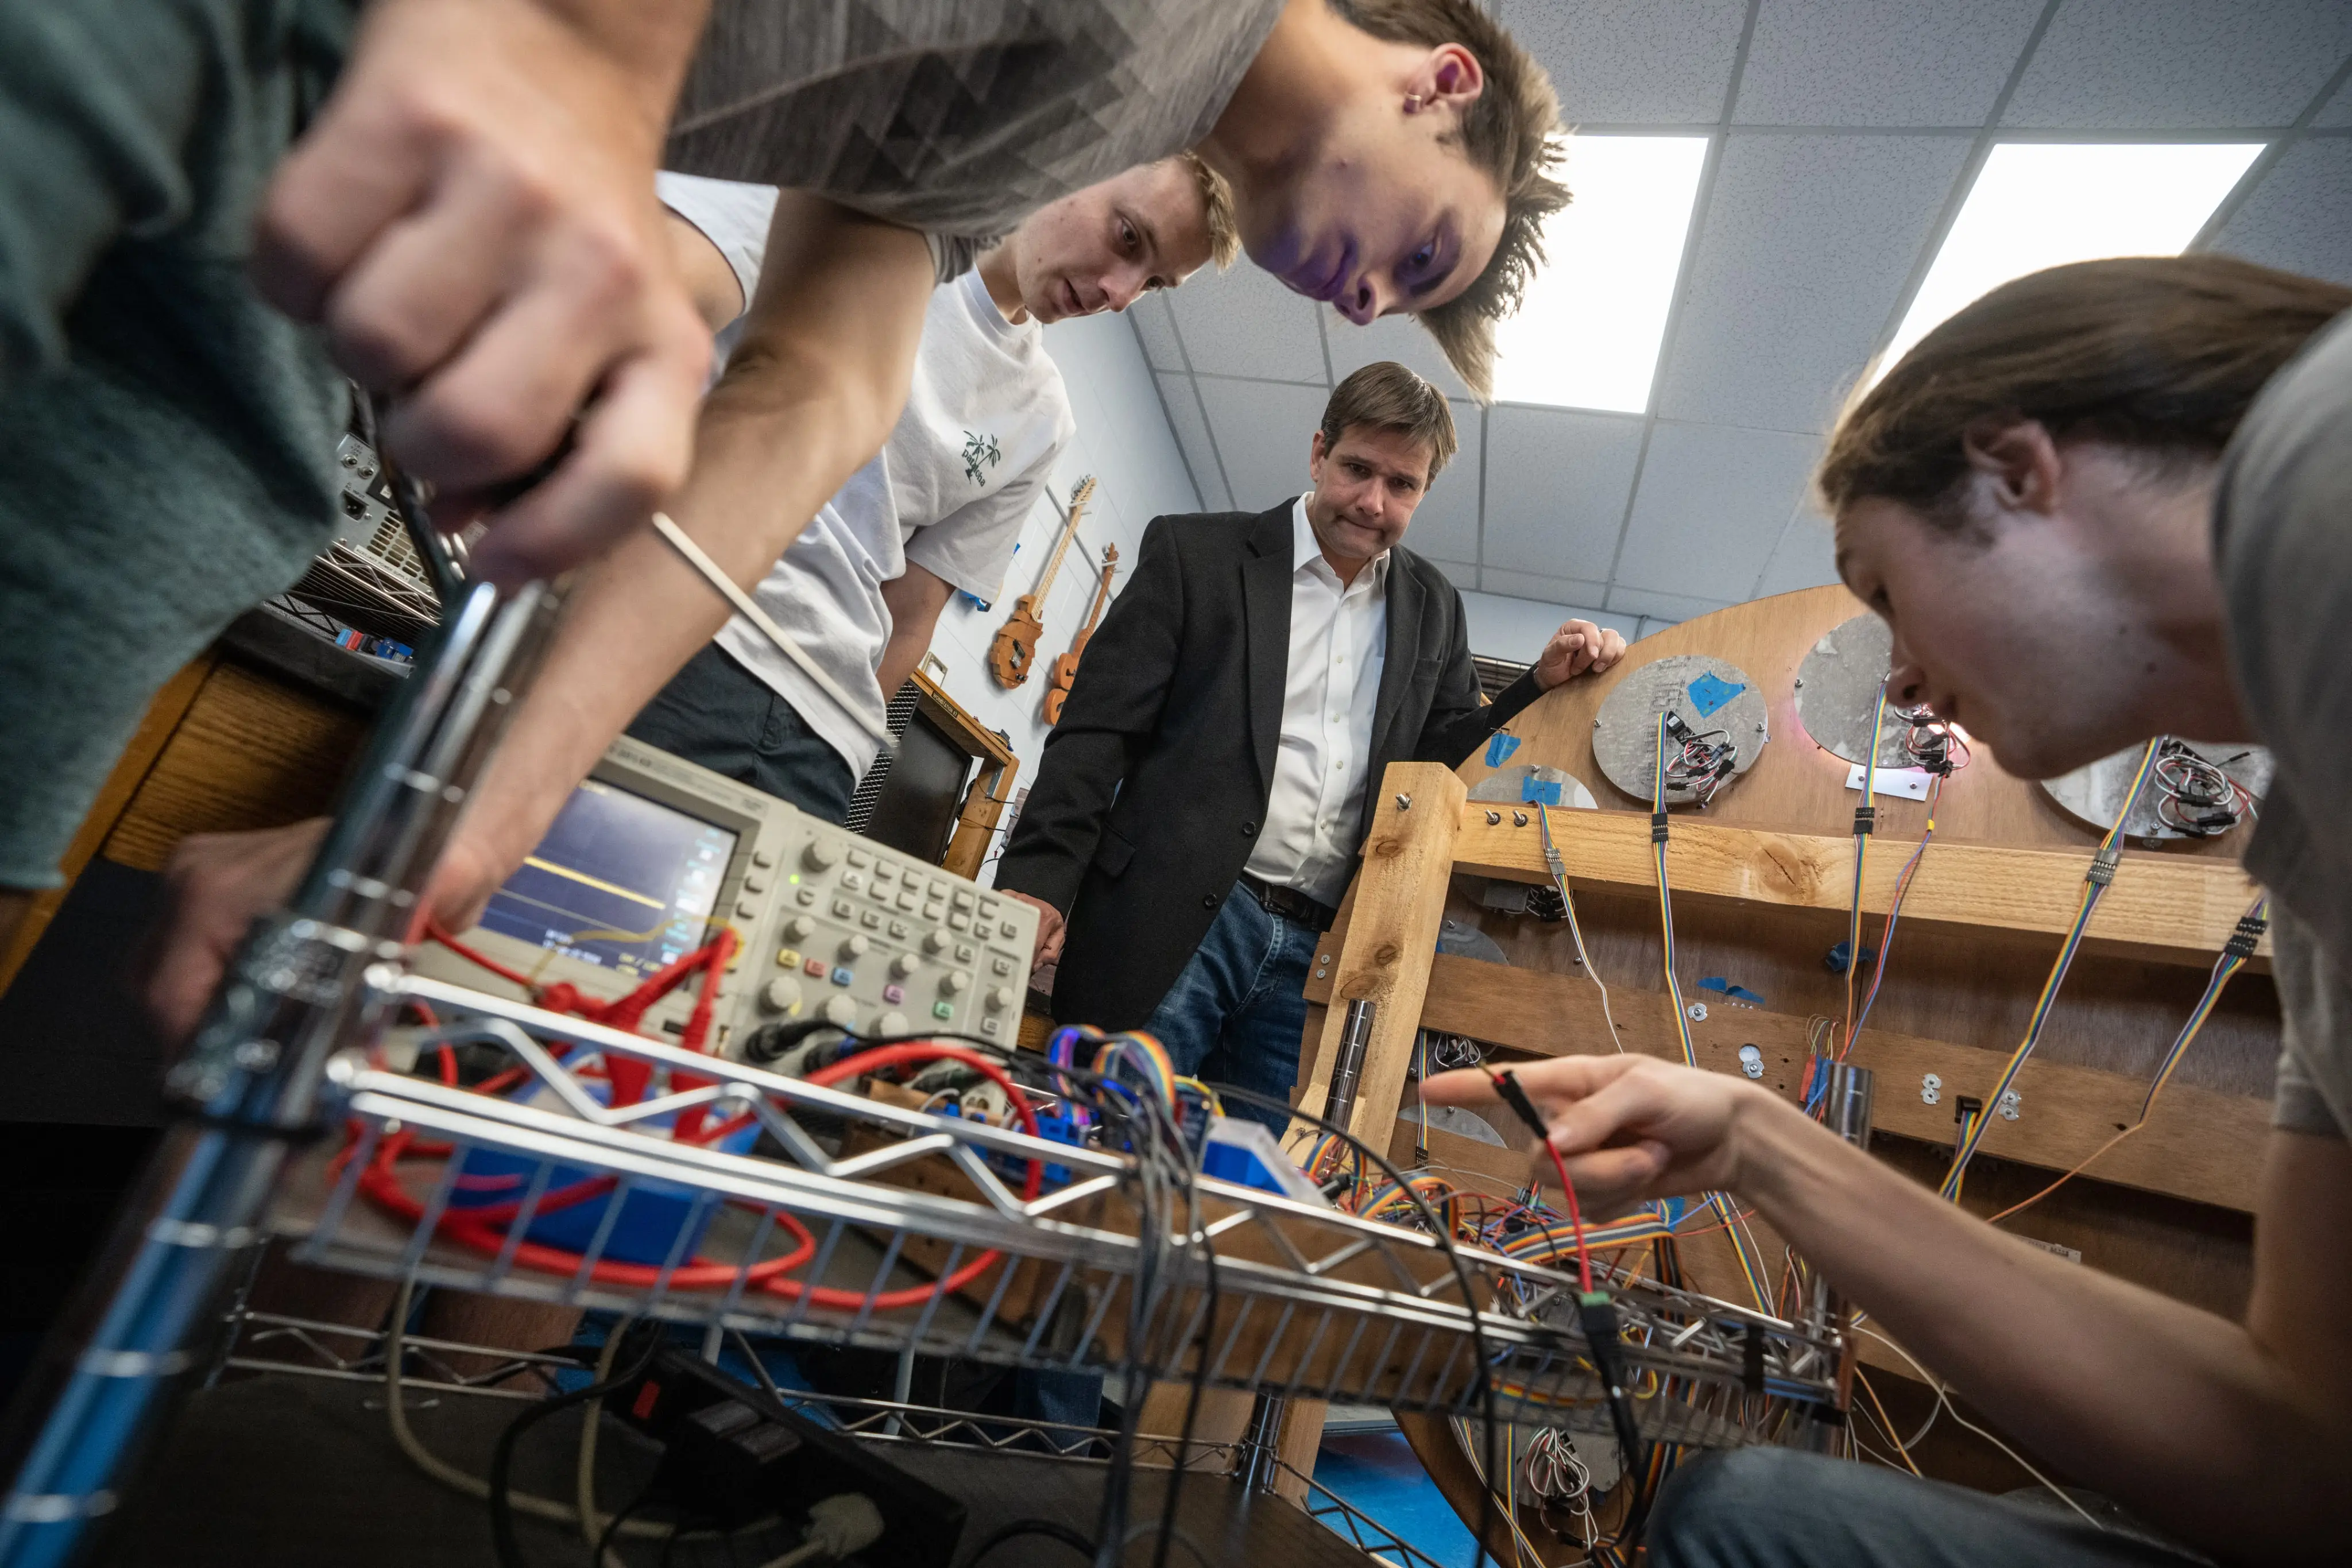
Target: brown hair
2164	354
1512	131
1387	396
1217	208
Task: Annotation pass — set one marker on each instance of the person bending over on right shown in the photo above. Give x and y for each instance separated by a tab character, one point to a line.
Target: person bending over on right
2105	502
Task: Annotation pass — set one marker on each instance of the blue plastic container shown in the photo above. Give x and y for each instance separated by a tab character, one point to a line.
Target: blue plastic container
651	1216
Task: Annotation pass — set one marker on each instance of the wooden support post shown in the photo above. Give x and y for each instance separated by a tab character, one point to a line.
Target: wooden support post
1384	958
1385	955
2171	909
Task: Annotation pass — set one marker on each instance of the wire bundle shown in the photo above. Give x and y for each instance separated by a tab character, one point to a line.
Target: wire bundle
1702	761
2095	880
2234	954
2196	797
1743	1245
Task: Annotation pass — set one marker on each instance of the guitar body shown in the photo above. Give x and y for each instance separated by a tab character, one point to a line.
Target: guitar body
1013	652
1066	666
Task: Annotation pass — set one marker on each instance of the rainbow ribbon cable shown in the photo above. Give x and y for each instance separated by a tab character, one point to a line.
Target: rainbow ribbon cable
1742	1244
2102	871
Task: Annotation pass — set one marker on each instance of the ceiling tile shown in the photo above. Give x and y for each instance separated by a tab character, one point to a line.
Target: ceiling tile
2146	65
1657	607
1390	338
1881	62
1445	524
1192	440
2338	109
2300	216
1262	429
1633	61
1807	556
1243	323
1565	594
1713	503
1807	243
1155	328
1557	481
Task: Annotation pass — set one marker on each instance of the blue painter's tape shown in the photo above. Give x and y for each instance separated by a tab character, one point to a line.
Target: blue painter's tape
1709	692
1499	747
1538	791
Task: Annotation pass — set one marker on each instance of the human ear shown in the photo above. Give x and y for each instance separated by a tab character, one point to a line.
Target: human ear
1451	74
1314	456
2015	464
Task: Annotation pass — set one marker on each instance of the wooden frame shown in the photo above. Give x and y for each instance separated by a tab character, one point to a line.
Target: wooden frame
991	789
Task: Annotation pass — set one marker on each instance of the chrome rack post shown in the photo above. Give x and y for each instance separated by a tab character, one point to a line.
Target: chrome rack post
252	1087
1259	1456
1846	1112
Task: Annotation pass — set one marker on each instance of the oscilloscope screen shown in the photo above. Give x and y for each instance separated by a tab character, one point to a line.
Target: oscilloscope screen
619	882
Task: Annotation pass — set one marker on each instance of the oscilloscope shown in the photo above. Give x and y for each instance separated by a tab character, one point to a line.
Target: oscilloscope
651	855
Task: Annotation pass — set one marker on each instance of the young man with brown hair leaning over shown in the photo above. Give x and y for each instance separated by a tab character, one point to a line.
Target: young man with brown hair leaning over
2104	502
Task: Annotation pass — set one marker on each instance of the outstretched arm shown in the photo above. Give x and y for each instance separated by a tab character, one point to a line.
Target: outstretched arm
2235	1436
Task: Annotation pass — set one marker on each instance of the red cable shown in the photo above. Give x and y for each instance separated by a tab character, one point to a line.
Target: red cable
1576	1219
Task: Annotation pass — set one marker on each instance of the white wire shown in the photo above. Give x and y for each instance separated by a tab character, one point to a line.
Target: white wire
1568	902
1944	1402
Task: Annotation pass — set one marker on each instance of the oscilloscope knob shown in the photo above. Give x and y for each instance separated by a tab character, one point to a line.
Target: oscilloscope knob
822	854
779	996
904	965
840	1012
855	946
935	942
798	927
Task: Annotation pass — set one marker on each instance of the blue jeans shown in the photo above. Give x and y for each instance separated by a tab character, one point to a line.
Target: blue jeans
1235	1012
1770	1507
718	714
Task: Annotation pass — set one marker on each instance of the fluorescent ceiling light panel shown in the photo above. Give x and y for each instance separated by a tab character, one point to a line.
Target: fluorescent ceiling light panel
1587	335
2037	204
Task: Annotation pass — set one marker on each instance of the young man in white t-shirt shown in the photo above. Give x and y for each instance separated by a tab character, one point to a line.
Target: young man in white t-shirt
941	507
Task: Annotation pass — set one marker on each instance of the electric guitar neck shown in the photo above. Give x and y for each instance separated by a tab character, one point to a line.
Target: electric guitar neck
1065	667
1012	653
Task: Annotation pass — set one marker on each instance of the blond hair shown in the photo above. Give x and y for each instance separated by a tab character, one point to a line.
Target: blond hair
1217	210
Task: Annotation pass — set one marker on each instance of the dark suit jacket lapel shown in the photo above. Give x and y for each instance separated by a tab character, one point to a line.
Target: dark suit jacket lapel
1265	595
1406	599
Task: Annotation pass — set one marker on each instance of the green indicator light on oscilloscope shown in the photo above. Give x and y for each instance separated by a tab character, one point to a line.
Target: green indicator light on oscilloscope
794	878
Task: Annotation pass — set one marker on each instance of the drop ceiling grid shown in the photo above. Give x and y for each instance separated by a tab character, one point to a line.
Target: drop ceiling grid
1844	136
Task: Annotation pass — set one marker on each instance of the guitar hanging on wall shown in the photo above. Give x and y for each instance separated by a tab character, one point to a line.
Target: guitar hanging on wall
1014	652
1066	666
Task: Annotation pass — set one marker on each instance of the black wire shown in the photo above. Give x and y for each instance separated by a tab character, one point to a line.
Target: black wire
502	1479
1053	1529
1488	1511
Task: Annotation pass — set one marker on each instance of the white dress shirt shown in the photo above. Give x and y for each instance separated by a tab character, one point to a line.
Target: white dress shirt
1339	645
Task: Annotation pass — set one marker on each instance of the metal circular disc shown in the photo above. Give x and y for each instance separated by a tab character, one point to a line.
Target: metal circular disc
2092	795
1511	786
1694	685
1837	692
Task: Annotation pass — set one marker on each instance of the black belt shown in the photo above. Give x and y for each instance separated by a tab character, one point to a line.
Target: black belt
1290	904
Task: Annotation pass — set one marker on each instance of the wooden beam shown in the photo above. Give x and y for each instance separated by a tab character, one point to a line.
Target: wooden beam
1385	952
2171	909
2196	1144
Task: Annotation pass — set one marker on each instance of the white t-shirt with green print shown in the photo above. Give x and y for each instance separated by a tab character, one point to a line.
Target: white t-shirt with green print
985	419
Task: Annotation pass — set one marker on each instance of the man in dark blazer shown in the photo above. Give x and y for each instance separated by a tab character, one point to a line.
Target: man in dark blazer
1200	807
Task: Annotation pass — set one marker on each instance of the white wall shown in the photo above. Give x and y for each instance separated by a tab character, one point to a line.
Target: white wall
1123	439
1502	627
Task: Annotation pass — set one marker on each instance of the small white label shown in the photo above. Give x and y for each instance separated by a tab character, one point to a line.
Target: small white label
1910	783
